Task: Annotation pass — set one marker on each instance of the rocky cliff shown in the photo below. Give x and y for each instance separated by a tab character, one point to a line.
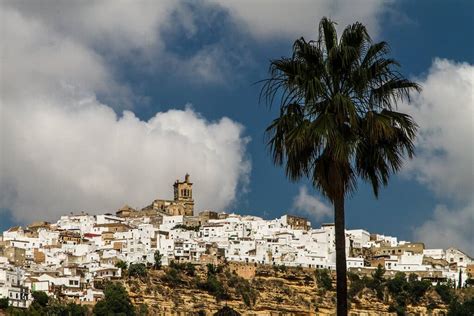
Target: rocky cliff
250	290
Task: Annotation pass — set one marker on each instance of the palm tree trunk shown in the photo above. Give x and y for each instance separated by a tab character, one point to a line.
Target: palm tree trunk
341	272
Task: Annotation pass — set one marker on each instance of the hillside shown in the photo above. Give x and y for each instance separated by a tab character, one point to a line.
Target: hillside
261	290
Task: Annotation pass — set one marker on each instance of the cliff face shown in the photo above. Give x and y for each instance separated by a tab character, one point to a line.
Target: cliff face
266	291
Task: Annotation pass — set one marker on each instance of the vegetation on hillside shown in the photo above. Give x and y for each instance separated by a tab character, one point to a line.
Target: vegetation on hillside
275	288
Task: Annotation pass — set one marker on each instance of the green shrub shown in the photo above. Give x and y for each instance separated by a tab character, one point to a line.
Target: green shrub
445	291
4	303
115	302
323	279
40	298
457	308
173	277
137	270
158	258
357	285
121	265
244	289
397	284
215	287
417	289
226	311
186	267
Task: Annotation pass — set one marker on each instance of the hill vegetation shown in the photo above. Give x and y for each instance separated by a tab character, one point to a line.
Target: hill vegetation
220	290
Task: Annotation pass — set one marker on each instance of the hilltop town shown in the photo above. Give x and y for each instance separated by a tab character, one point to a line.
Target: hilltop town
73	257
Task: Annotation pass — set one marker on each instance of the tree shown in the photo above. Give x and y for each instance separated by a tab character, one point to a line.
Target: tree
137	270
116	301
461	309
58	309
226	311
323	279
121	265
4	303
158	257
337	120
40	299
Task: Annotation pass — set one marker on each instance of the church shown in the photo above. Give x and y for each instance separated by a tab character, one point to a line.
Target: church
182	204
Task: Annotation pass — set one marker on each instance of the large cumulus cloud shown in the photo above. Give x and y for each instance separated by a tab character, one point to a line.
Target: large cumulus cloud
445	152
57	159
64	150
66	144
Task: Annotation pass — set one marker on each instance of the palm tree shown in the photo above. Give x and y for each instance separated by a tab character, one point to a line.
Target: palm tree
337	119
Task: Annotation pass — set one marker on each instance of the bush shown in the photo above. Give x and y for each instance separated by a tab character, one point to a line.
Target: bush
244	289
405	291
397	284
40	298
121	265
143	310
4	303
417	289
70	309
137	270
213	269
115	302
377	282
445	291
357	285
186	267
461	309
226	311
173	277
323	279
215	287
158	257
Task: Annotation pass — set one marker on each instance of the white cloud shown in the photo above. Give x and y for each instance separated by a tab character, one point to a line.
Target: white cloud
445	151
270	18
83	157
63	150
449	228
115	29
311	205
445	146
119	26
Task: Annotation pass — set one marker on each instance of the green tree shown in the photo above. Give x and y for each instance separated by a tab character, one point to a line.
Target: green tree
158	257
397	284
445	291
137	270
337	119
323	279
4	303
115	302
121	265
40	299
457	308
58	309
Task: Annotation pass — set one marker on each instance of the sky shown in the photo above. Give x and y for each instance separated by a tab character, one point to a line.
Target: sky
107	103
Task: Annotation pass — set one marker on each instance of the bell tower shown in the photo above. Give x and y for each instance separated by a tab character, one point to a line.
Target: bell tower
183	194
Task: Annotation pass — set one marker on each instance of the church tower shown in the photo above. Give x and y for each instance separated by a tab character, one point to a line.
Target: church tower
183	194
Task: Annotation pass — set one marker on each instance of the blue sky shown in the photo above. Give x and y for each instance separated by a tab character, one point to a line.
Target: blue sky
177	69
